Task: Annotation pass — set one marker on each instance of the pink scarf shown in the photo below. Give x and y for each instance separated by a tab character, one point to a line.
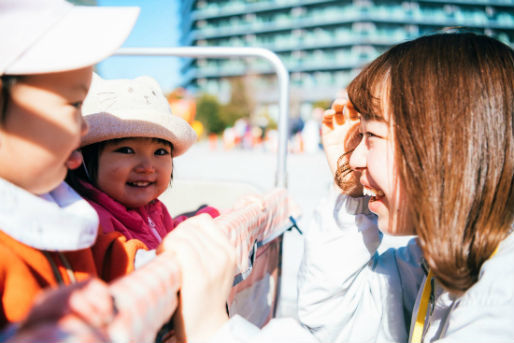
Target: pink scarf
149	223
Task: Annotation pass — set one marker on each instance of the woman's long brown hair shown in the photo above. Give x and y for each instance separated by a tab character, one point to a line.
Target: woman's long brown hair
451	104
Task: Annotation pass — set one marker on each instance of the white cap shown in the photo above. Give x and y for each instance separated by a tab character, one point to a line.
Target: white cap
44	36
126	108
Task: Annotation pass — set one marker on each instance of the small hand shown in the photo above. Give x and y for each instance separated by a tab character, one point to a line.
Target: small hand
89	300
340	136
207	263
83	309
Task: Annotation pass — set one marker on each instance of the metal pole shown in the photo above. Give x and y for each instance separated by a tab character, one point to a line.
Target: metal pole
223	52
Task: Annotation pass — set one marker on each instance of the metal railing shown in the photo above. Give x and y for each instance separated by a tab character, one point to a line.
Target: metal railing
226	52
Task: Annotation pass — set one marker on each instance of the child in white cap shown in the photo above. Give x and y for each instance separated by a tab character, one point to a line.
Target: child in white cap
128	157
48	233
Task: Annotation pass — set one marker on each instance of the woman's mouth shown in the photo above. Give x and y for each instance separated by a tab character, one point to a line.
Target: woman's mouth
374	194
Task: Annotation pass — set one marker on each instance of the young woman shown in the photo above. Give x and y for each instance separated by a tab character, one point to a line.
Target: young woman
435	156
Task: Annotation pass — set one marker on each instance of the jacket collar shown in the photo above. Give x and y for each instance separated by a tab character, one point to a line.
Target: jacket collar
57	221
138	221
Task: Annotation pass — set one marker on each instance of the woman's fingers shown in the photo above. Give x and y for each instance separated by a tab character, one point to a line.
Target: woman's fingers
328	118
340	136
338	107
340	116
351	112
339	104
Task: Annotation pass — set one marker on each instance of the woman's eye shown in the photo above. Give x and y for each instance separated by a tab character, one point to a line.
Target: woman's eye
161	152
369	134
125	150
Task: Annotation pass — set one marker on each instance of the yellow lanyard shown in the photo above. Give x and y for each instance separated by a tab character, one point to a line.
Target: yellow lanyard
417	332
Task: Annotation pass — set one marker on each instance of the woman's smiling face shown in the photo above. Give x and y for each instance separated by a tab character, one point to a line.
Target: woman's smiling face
374	158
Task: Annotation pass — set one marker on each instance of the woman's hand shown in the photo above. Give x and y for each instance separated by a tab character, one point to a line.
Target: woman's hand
340	136
207	261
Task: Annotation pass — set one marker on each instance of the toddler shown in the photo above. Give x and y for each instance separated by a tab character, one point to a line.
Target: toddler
128	157
48	234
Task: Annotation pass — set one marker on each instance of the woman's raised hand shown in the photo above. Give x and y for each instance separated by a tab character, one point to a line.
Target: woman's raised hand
340	136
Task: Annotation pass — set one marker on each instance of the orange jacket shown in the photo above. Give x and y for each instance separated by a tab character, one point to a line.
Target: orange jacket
25	271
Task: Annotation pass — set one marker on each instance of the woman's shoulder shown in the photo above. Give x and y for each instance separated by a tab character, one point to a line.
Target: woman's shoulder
500	265
484	312
495	283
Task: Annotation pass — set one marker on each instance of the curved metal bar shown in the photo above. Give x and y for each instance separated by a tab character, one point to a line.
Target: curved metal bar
222	52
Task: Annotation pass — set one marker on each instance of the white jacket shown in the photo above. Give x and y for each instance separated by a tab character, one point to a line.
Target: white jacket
350	293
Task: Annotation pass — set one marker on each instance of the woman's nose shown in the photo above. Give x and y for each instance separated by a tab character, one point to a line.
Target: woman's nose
358	157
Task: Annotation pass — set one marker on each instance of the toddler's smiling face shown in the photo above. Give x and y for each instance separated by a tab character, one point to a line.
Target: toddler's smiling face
135	171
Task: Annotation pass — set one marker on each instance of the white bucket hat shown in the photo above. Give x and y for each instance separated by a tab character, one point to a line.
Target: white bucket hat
44	36
126	108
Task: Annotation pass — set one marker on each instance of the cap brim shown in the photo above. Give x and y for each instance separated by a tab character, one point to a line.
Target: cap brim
83	37
105	126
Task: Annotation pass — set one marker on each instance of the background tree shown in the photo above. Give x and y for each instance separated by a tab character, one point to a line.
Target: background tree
240	105
323	104
208	112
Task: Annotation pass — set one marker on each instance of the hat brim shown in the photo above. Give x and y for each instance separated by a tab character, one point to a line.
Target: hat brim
105	126
84	36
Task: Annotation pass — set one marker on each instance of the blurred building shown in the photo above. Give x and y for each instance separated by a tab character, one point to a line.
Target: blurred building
322	43
83	2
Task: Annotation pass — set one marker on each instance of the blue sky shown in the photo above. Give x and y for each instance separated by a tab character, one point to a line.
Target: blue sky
157	26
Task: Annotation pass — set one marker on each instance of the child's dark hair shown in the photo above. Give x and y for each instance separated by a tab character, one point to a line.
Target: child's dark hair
89	170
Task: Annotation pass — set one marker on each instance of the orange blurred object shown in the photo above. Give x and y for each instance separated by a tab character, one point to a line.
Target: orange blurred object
182	104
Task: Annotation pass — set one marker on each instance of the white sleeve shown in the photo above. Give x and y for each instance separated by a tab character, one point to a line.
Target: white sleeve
339	244
239	330
346	291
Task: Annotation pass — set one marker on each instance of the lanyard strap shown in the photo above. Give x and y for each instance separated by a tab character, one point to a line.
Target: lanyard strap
419	325
417	332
